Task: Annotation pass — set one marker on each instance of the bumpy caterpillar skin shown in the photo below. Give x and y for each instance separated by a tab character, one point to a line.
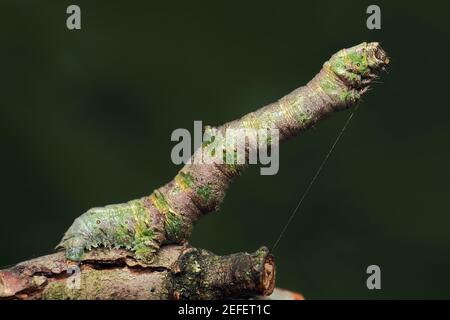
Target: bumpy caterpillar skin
167	216
137	226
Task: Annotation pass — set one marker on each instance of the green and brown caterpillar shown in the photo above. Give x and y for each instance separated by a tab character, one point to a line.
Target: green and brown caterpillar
168	214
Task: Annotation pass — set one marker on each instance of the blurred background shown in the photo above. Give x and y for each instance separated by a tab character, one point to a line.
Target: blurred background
86	118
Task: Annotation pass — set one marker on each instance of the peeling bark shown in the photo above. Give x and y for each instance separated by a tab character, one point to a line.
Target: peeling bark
177	272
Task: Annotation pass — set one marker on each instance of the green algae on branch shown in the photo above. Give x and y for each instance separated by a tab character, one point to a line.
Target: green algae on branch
167	216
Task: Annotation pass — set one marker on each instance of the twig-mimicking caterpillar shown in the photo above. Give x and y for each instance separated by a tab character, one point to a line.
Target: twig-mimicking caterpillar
126	225
167	215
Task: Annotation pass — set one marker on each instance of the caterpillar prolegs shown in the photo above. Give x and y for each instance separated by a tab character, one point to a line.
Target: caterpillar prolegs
137	225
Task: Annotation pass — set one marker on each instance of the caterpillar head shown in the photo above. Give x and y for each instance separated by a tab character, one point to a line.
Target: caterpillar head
360	65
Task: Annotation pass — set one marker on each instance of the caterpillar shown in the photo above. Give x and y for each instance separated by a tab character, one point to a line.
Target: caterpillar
136	225
167	215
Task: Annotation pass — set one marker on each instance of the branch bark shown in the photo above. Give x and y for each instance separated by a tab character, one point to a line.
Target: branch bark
177	272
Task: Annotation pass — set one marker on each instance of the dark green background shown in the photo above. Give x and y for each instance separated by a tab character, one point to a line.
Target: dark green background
86	118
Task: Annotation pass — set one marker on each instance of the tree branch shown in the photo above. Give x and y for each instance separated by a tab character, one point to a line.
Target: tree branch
146	269
177	272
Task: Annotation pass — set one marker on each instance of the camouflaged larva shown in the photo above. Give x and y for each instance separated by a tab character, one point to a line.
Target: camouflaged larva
127	225
167	215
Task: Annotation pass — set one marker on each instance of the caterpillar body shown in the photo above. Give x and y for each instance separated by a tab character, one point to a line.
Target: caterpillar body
137	225
167	215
